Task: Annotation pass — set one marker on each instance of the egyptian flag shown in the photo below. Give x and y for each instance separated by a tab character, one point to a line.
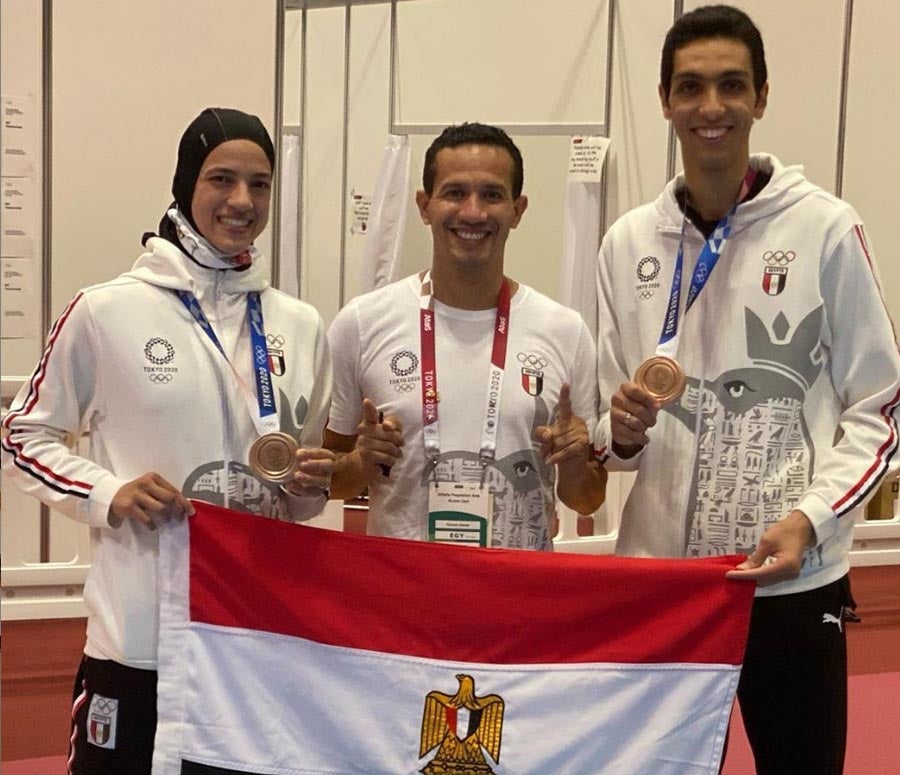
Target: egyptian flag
290	649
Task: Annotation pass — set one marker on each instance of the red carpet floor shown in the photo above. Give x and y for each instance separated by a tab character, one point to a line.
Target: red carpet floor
872	745
874	722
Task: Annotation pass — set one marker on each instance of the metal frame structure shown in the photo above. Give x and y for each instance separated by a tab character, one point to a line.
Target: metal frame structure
546	128
46	201
845	89
394	127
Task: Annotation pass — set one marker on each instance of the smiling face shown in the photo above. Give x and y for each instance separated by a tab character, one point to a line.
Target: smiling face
471	208
231	198
712	104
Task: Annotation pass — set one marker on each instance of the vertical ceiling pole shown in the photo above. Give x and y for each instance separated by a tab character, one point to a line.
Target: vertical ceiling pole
275	258
301	150
845	90
47	203
345	154
607	115
671	160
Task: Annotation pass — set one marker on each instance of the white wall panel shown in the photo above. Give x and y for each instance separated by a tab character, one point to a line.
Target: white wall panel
534	248
369	119
127	80
323	134
502	61
20	75
871	161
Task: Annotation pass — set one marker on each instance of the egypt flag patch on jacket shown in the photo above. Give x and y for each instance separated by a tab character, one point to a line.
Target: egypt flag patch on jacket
295	650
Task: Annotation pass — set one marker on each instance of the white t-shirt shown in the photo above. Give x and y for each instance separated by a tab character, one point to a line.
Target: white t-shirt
376	351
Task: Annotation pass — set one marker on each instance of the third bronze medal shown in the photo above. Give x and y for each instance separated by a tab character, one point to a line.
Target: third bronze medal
661	377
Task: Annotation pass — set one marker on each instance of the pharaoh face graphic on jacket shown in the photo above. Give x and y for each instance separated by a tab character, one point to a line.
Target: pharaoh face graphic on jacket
754	452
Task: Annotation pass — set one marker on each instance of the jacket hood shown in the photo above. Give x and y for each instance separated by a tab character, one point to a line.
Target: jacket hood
786	186
164	265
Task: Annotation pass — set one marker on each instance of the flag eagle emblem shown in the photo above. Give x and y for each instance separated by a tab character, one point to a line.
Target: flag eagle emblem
461	724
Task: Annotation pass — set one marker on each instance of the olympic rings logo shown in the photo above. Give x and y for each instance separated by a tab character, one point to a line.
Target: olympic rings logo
645	294
532	361
779	257
105	706
404	363
158	351
405	387
275	340
648	269
160	379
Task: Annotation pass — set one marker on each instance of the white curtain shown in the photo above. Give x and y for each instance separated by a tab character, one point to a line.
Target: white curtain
581	234
288	279
388	217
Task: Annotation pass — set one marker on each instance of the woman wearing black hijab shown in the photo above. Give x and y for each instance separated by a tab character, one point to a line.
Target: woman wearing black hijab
175	368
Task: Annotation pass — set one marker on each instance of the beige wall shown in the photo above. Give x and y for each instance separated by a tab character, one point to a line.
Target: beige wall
804	52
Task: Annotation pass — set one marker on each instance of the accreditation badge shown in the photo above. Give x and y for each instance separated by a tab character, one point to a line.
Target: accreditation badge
460	513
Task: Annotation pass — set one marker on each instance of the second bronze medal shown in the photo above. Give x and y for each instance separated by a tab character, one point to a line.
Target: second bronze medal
273	457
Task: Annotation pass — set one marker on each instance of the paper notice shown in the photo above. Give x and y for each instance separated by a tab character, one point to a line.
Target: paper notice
19	310
361	205
586	156
18	217
18	136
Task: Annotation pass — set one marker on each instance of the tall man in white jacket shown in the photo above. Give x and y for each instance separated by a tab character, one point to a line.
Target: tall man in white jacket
174	368
759	405
460	389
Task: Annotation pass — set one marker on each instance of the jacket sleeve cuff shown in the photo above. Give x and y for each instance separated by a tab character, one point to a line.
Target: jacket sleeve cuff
612	462
819	512
95	510
301	508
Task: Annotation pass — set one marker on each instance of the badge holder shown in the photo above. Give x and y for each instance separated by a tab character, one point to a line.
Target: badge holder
460	513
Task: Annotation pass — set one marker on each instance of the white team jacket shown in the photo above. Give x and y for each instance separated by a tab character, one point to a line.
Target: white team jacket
793	375
128	364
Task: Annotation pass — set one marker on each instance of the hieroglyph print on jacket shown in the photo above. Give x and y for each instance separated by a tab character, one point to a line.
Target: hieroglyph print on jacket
754	455
246	492
521	483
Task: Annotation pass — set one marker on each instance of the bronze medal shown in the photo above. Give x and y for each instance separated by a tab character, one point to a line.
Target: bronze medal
661	377
272	457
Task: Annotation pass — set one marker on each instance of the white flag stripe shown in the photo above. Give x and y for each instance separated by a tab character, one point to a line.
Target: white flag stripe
575	719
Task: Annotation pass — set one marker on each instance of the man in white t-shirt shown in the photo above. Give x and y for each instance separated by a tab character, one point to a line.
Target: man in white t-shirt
461	397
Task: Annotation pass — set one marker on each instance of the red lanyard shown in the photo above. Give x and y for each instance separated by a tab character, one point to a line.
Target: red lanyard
430	424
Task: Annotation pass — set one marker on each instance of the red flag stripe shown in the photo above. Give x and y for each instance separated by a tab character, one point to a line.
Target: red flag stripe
510	607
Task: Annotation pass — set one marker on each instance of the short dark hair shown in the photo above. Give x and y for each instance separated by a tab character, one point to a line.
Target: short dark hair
473	133
713	21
